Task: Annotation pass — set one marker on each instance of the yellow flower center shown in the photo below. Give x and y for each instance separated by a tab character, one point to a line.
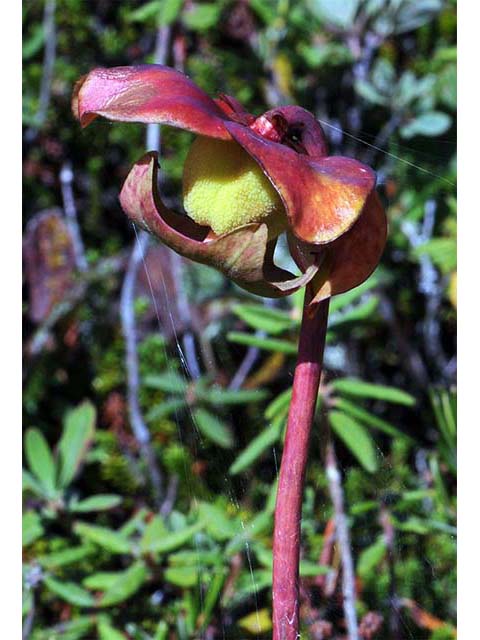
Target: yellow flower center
224	188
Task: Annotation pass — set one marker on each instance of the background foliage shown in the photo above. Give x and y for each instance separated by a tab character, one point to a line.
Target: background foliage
166	532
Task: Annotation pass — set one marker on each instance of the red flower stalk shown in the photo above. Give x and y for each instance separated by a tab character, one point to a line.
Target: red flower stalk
246	180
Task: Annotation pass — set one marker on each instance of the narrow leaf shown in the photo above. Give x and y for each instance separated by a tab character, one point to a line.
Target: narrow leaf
267	344
360	389
113	541
213	428
356	438
99	502
70	592
259	317
78	431
257	447
40	459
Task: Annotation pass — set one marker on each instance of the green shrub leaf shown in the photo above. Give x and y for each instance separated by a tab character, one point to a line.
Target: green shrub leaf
356	438
360	389
40	460
213	428
78	431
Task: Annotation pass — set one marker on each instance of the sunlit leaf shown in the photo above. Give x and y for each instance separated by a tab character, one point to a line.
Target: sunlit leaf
70	592
108	539
100	502
32	528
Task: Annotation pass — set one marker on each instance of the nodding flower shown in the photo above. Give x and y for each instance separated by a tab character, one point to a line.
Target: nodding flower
246	180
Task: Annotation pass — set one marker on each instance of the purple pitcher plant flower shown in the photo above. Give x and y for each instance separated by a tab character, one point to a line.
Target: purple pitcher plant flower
246	181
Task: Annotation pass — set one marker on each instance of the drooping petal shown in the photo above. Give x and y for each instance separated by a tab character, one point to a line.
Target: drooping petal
244	255
351	259
323	196
148	93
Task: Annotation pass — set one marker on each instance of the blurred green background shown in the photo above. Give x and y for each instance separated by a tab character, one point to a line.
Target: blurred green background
148	498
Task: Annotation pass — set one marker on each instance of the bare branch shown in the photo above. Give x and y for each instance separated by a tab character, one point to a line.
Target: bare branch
127	313
343	538
50	36
66	181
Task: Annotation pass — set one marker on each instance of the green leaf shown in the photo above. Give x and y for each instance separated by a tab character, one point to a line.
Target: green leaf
218	396
34	43
341	14
70	592
112	541
202	16
71	630
267	344
165	409
101	581
412	15
356	438
127	583
107	632
100	502
66	556
263	318
32	528
30	484
349	297
359	313
40	459
185	577
213	428
358	388
154	531
217	523
371	557
264	9
257	446
170	382
442	252
279	406
193	558
78	431
369	93
169	11
369	419
161	632
433	123
212	596
176	539
147	11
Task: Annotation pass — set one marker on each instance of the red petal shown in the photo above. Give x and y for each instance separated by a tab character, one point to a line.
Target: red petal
323	196
148	93
351	259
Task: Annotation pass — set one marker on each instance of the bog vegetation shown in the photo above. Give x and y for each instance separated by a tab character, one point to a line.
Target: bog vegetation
156	392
